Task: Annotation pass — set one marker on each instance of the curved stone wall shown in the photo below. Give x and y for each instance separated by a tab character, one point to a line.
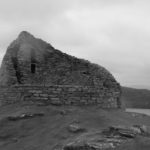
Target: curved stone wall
33	70
60	95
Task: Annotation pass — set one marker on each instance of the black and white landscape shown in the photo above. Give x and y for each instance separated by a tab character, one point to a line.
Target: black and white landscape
74	75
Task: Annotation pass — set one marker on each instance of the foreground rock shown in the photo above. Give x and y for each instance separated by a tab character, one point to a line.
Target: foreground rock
108	139
93	141
75	128
128	132
89	146
24	116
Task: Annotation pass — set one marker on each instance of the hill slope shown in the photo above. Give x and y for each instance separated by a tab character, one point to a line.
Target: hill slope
50	132
136	98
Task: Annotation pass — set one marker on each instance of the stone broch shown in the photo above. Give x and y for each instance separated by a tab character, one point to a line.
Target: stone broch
33	70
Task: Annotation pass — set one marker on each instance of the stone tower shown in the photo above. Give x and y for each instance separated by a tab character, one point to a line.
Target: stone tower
31	61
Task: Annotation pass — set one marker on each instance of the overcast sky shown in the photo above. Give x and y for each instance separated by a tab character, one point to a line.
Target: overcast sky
112	33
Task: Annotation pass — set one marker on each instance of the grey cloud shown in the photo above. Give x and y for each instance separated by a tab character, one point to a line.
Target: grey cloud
114	34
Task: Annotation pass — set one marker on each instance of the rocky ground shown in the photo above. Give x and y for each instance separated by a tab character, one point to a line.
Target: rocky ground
30	127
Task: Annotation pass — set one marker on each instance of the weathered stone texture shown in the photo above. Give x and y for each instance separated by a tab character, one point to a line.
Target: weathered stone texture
59	95
53	77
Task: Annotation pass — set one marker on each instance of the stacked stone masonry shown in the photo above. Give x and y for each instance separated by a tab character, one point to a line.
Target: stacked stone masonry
60	95
33	70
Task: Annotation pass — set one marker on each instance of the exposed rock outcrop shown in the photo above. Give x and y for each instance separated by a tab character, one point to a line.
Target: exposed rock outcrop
108	139
75	128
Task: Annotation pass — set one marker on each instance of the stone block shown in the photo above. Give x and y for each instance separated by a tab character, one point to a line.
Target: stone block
35	94
59	89
71	89
38	91
59	94
55	99
43	95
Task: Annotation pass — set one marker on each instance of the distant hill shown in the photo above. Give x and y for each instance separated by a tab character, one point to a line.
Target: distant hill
135	98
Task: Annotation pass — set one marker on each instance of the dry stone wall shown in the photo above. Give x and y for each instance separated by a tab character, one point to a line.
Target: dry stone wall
60	95
33	70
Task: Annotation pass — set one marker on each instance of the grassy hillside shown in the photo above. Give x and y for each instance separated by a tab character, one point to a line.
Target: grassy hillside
50	132
136	98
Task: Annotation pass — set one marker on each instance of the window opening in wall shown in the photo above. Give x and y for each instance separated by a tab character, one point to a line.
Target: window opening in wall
33	68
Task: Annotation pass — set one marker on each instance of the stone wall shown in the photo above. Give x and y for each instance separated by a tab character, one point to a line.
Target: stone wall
61	95
59	78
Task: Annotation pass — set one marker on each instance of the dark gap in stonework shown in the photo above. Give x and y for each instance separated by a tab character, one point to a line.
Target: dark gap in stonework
15	63
33	61
33	68
18	73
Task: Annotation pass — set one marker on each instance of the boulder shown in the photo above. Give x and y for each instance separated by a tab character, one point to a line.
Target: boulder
89	146
75	128
24	116
144	129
